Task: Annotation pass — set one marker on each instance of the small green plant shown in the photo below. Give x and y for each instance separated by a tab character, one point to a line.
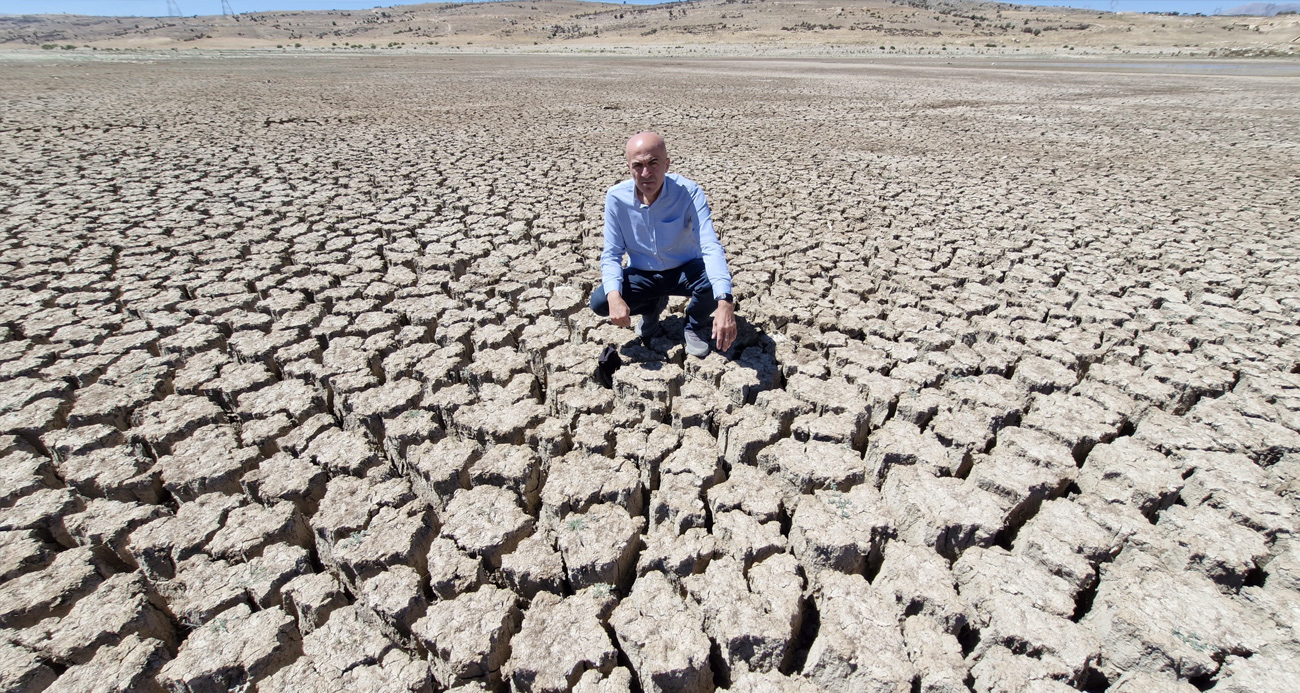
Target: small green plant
48	46
576	524
354	538
841	503
297	45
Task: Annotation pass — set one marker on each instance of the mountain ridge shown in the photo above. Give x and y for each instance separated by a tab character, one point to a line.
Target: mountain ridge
888	26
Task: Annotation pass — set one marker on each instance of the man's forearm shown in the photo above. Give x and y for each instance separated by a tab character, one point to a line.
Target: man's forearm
715	257
611	273
611	256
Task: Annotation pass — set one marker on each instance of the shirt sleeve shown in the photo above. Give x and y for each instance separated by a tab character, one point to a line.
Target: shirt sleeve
611	258
715	258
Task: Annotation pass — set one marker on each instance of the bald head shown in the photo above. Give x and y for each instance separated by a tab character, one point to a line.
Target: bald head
647	159
646	142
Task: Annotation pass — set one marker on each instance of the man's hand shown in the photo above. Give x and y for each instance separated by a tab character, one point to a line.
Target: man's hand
724	324
619	313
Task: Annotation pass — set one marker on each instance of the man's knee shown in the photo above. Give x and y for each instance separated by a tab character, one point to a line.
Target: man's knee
599	302
703	304
696	278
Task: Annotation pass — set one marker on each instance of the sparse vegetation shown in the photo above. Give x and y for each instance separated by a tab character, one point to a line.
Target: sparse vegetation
922	29
808	26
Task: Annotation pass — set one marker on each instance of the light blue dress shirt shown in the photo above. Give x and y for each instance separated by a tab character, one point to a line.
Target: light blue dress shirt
674	230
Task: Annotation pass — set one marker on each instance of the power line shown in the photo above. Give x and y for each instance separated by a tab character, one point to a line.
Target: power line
173	9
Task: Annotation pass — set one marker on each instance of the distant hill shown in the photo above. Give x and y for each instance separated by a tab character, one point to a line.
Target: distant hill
1264	9
740	27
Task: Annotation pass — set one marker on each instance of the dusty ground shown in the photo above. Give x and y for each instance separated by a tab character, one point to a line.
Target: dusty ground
297	382
727	27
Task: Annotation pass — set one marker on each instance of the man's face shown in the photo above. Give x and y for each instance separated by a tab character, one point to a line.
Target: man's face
648	163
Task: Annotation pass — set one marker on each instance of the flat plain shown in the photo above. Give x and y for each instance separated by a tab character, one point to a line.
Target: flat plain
296	377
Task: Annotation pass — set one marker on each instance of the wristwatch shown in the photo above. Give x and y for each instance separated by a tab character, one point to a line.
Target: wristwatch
727	297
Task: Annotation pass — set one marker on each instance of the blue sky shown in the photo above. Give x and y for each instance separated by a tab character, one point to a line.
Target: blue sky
158	8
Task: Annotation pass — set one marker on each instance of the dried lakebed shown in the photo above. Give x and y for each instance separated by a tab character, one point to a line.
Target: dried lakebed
296	380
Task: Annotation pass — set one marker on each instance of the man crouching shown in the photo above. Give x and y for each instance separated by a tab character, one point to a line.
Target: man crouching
661	221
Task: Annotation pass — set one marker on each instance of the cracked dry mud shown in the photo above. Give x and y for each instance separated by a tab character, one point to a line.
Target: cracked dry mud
297	380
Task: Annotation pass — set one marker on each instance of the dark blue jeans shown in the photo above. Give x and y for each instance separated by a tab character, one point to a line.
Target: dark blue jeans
642	290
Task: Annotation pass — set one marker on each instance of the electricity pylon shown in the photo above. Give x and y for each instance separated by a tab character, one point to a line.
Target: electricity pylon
226	9
173	9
